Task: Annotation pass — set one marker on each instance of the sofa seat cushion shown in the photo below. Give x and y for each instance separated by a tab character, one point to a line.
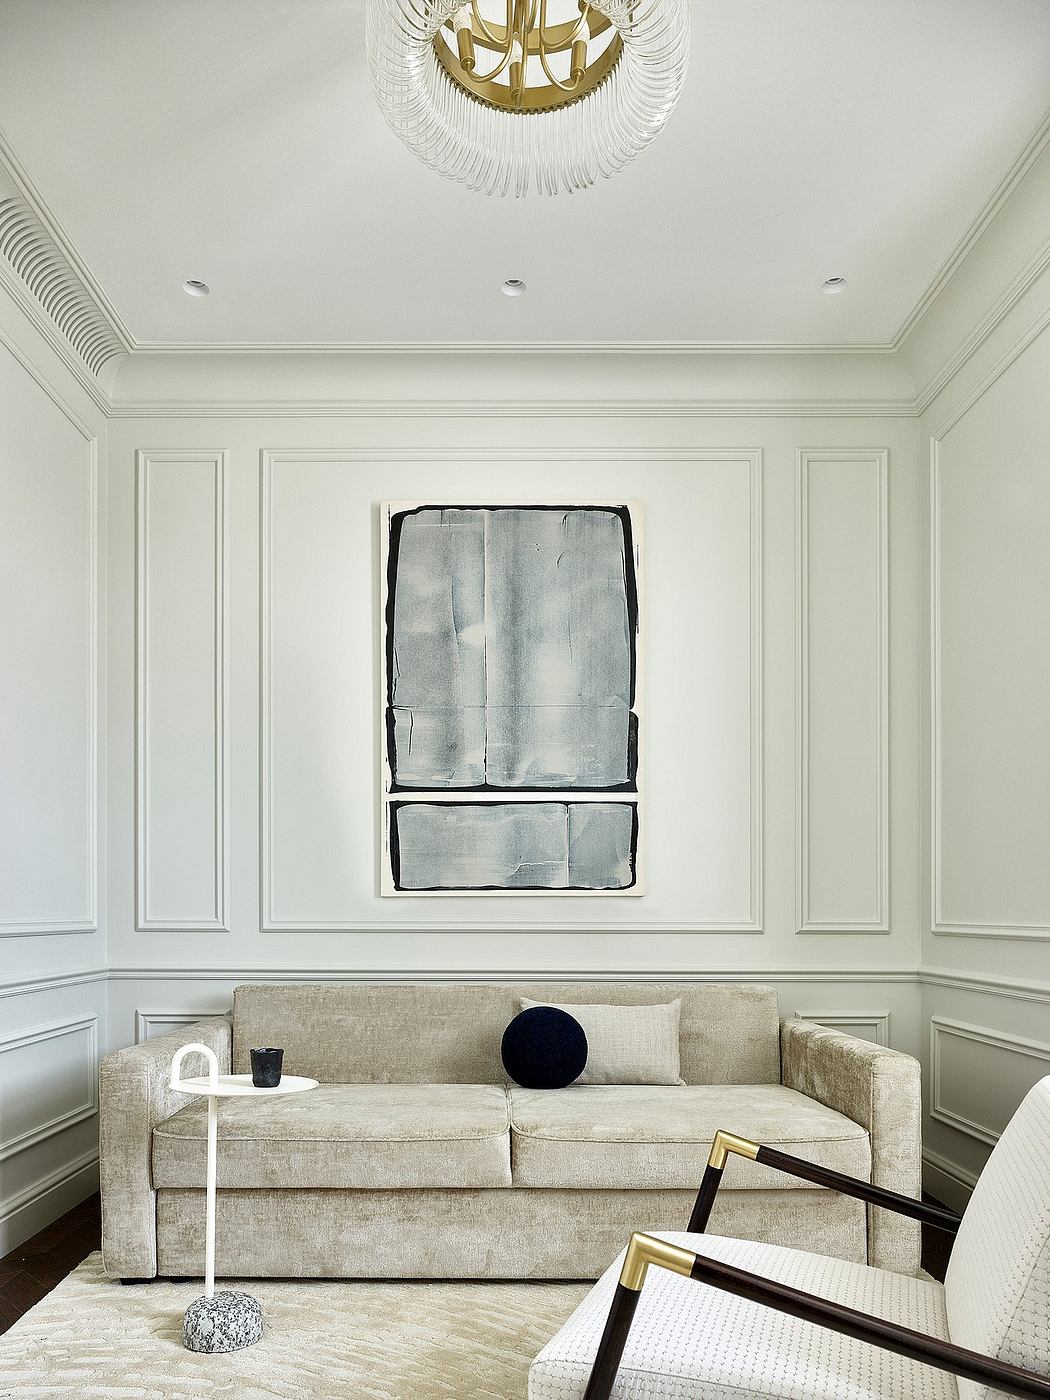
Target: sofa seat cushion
632	1136
358	1136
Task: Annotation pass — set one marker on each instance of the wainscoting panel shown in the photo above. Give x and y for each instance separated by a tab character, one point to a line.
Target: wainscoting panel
842	673
978	1076
180	837
47	1081
53	1029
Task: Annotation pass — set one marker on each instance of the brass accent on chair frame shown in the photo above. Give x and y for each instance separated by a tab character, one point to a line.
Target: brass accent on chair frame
725	1143
644	1250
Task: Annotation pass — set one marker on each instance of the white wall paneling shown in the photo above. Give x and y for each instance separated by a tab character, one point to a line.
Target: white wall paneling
867	1025
47	1081
988	984
985	963
814	976
48	723
989	662
52	981
979	1075
319	640
842	675
180	866
193	994
23	1213
151	1023
52	976
53	1030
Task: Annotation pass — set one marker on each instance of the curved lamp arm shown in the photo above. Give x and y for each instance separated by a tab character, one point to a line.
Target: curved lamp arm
206	1050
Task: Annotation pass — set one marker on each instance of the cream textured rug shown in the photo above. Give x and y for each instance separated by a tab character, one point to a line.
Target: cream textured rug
97	1340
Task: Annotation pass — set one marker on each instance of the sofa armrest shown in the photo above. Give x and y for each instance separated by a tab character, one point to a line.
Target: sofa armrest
881	1090
133	1098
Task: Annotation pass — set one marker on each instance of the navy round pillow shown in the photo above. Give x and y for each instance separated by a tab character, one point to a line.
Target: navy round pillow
544	1048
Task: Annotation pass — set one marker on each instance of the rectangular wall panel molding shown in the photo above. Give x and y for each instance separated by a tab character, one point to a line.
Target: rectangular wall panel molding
1019	621
49	1082
842	691
316	498
181	740
867	1025
978	1076
49	856
151	1023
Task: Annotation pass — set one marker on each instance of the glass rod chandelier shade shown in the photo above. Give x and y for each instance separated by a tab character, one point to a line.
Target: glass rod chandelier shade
513	96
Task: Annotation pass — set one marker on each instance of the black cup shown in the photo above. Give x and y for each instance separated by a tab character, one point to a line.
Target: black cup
266	1067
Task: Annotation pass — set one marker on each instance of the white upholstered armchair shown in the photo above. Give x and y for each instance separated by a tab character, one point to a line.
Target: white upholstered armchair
725	1319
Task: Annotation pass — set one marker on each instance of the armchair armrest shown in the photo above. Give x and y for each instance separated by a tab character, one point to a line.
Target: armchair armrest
881	1090
725	1143
134	1096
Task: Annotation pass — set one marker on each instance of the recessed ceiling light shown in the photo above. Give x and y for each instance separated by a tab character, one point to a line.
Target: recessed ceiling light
513	287
833	285
193	288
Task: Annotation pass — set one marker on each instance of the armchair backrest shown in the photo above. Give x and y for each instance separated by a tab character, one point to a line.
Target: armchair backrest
997	1288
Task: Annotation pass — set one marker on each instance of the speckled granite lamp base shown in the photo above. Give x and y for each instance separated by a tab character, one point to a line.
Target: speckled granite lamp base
226	1322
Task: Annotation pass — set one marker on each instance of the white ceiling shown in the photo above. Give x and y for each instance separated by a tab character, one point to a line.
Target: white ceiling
237	141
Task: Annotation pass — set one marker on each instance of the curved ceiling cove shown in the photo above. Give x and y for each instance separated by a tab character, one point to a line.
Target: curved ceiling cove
39	265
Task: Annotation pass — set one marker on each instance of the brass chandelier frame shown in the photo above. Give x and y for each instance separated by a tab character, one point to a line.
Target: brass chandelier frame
525	36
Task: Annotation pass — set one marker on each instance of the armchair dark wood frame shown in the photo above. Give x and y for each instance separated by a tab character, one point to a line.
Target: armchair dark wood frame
644	1250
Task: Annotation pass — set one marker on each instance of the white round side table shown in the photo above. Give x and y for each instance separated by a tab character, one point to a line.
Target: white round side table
228	1320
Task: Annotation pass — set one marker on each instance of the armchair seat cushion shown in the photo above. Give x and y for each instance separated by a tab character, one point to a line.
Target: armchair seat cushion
356	1136
614	1137
688	1339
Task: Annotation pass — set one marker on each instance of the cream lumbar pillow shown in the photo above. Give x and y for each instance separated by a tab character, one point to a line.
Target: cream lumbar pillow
627	1044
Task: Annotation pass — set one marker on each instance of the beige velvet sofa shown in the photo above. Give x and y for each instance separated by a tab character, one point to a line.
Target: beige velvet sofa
416	1158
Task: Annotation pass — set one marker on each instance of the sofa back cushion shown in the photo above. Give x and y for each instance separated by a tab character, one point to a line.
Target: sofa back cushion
450	1034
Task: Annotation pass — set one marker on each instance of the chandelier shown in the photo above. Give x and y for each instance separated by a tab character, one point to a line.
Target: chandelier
509	96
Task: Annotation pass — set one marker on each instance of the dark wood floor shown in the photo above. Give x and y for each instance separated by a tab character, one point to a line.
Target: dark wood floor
34	1268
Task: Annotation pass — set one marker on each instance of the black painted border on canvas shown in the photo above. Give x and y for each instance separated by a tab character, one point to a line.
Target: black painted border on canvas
394	842
396	524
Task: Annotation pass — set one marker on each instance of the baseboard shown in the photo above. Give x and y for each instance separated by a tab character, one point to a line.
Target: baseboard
946	1180
38	1205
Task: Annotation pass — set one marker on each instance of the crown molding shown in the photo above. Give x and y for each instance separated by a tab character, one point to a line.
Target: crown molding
678	408
1024	280
49	333
32	196
515	408
1002	192
515	347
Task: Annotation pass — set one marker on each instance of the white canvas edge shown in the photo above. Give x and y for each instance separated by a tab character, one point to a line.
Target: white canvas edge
385	881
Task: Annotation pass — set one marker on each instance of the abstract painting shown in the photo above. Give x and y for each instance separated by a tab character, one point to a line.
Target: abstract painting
511	714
